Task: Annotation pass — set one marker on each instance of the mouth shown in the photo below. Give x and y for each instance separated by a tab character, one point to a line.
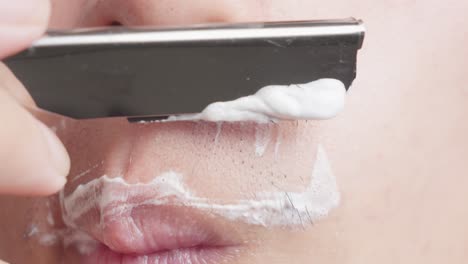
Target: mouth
146	223
156	234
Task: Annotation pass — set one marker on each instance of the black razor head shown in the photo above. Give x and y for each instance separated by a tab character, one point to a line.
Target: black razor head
142	72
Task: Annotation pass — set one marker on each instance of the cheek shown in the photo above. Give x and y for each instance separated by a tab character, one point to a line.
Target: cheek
25	224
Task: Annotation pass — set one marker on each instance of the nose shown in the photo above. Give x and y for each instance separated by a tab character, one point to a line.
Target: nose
177	12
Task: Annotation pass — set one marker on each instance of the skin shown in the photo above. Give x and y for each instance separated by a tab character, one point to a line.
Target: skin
20	24
398	150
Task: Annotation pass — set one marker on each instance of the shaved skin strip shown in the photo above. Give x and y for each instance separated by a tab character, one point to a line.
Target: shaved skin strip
267	209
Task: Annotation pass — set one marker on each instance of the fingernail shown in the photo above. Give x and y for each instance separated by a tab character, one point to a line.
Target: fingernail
57	153
19	13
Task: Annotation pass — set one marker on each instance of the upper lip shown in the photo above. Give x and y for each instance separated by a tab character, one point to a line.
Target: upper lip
147	229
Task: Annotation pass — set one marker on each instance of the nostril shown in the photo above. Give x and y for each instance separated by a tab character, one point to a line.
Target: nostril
115	23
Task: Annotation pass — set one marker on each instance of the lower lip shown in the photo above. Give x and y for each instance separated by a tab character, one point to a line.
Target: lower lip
195	255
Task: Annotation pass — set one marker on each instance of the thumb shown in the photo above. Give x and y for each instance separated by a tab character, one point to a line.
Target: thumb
3	262
21	22
33	161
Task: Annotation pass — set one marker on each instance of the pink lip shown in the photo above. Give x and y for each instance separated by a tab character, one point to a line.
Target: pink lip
157	234
146	229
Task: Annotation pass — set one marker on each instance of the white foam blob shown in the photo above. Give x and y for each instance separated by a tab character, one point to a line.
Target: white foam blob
321	99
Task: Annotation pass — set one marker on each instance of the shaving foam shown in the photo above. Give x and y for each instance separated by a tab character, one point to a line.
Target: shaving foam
262	139
268	209
219	127
321	99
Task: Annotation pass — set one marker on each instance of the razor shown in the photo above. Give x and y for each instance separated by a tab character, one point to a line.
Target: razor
153	73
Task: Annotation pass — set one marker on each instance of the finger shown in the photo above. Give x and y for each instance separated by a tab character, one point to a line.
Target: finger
14	87
21	22
33	161
3	262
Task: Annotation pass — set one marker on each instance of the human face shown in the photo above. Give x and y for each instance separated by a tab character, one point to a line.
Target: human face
394	166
